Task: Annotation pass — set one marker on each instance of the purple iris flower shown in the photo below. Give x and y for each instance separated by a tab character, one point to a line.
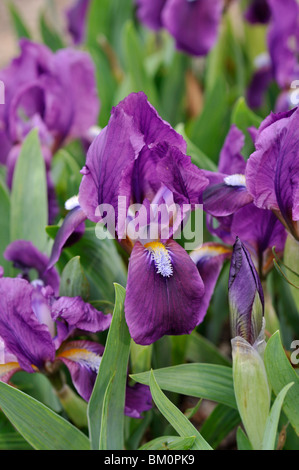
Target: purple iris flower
76	20
139	159
283	65
39	329
245	293
35	332
194	24
36	83
258	228
227	191
272	171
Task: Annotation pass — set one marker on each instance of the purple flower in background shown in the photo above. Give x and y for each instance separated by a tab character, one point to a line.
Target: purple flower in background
227	191
36	84
282	65
194	24
245	293
141	160
76	20
283	37
226	220
272	171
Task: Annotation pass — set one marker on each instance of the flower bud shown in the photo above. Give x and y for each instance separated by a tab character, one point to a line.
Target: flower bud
246	301
245	294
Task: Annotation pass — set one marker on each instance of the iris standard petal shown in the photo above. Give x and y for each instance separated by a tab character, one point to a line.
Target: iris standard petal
164	292
75	314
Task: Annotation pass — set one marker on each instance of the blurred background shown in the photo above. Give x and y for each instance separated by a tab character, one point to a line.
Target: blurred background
31	12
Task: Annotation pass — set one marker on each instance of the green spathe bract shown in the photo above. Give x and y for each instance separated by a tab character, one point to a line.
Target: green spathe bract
251	389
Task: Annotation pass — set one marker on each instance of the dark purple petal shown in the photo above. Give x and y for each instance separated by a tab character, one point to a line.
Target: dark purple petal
76	20
183	178
83	359
164	292
23	335
258	12
245	294
193	24
231	160
149	13
258	86
72	221
133	125
138	400
272	170
209	259
266	231
75	314
26	256
224	199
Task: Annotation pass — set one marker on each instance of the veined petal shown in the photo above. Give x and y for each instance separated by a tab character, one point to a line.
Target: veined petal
83	359
225	198
164	292
75	314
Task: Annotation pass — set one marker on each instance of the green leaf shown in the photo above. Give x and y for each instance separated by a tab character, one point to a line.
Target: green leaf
29	200
139	78
73	281
197	156
273	419
100	260
20	27
40	426
169	443
102	264
175	417
210	381
65	173
281	373
5	226
200	349
50	37
291	259
219	424
243	117
243	442
209	138
114	363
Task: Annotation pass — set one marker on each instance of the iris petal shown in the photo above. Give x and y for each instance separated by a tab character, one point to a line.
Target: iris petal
157	305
